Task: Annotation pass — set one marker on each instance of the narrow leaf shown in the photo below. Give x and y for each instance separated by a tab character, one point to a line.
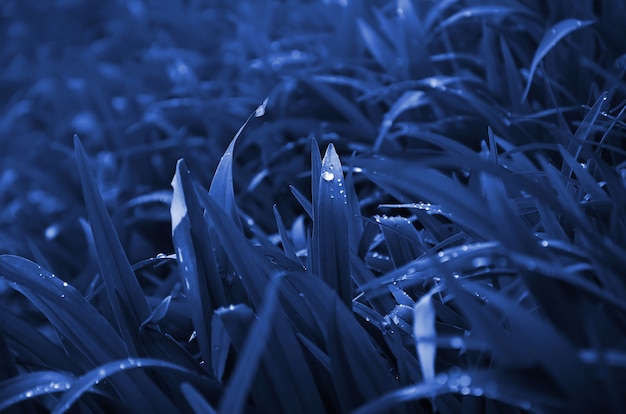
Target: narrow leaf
114	266
549	40
425	335
197	402
331	241
32	384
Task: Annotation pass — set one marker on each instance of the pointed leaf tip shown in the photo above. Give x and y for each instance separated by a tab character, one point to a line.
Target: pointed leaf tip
260	111
178	208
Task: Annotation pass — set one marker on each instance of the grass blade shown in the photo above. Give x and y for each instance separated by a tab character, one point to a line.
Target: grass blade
331	232
95	376
221	188
32	384
408	100
549	40
197	402
288	248
80	324
117	273
194	253
425	335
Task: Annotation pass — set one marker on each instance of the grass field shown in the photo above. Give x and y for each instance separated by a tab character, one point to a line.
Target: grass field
309	206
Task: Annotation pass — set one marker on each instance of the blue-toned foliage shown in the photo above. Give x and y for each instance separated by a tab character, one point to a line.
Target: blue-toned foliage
458	245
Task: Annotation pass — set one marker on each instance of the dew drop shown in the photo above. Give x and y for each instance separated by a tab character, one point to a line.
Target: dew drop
441	378
465	380
65	284
62	296
328	176
456	342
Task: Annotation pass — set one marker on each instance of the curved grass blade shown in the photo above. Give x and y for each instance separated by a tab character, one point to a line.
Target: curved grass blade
288	247
350	341
344	106
117	273
401	238
251	354
488	384
32	384
220	345
66	309
158	313
40	349
221	188
253	269
330	244
304	202
93	377
405	180
379	48
408	100
80	324
238	321
197	402
477	11
582	174
549	40
196	261
425	335
583	132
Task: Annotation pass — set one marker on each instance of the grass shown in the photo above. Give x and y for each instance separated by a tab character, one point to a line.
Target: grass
427	213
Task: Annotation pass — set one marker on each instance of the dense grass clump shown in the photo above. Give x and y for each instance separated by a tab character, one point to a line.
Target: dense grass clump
424	211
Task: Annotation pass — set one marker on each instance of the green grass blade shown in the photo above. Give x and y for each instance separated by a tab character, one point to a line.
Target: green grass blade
116	270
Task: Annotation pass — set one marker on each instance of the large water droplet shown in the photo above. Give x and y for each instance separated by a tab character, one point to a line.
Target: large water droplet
328	176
